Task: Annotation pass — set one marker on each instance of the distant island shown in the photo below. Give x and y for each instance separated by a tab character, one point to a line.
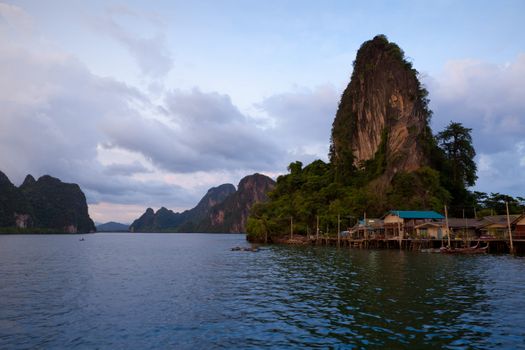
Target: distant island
223	209
46	205
112	226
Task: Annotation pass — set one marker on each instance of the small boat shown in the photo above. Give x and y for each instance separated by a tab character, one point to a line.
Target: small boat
82	239
468	250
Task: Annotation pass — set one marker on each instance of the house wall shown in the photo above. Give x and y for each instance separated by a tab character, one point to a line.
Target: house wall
460	232
495	230
519	231
392	219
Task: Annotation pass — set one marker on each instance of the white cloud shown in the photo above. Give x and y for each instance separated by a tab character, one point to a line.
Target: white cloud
490	99
149	51
57	116
302	120
205	132
14	22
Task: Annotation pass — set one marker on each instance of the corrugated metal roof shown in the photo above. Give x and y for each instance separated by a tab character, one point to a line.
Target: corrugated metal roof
414	214
462	223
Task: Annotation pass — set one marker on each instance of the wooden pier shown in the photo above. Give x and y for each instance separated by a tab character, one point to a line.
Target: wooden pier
495	246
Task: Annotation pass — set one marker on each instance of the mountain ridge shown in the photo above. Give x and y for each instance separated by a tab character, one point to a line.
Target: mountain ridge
222	209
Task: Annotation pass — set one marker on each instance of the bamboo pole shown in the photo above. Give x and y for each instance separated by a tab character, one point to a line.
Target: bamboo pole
510	231
265	232
465	230
338	229
366	228
448	229
291	227
400	237
317	228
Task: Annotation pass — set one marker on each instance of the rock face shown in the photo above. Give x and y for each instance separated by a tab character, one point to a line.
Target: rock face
166	220
13	205
222	209
58	205
216	195
232	214
382	114
47	204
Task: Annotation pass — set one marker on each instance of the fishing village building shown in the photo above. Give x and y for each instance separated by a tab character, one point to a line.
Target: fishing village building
519	227
368	229
431	225
496	226
412	223
464	228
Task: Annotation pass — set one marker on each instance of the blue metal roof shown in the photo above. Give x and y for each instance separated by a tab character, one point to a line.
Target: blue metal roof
414	214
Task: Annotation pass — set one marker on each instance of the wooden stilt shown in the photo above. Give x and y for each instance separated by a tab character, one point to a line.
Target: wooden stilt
338	230
291	227
510	230
317	228
448	229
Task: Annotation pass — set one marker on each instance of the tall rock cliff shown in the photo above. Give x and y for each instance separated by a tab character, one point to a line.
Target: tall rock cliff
214	196
383	119
57	205
232	214
165	220
14	207
48	205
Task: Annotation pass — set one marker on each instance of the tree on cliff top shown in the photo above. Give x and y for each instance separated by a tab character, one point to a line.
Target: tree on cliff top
456	142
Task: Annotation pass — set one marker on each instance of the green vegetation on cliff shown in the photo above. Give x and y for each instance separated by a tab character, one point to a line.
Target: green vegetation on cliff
383	155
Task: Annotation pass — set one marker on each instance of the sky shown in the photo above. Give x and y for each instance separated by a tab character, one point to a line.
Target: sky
151	103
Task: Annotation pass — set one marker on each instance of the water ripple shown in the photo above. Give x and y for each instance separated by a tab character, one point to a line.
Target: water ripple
124	291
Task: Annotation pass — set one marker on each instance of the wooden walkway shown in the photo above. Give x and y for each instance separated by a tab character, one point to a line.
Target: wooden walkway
495	246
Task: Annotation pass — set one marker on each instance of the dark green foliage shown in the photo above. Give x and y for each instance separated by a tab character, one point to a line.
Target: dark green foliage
313	192
456	143
421	190
494	204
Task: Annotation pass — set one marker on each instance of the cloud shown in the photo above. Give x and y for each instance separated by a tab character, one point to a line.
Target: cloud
490	99
57	118
52	122
150	52
204	132
302	120
14	21
126	169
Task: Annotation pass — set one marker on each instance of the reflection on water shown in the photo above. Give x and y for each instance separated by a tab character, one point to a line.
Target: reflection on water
191	291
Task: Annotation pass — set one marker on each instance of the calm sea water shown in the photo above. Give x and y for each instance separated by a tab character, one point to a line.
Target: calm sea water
189	291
